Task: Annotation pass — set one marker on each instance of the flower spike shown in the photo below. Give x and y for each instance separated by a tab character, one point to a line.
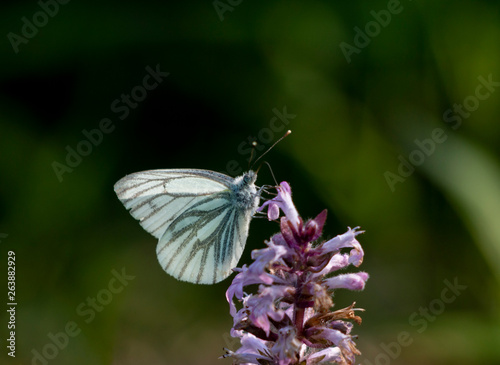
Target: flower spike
289	319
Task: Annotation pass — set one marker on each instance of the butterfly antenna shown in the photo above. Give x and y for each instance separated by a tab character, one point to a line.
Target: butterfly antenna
254	144
270	148
272	173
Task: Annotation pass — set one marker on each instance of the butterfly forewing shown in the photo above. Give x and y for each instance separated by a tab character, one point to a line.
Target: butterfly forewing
155	198
201	217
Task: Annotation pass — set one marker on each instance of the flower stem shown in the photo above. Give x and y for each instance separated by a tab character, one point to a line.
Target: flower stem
299	320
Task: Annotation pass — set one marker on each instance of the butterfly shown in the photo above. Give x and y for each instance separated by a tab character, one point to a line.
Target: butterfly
200	217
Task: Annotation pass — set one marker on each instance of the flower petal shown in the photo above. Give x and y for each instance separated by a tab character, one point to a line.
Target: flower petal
252	350
343	240
337	262
326	356
284	202
348	281
287	346
261	307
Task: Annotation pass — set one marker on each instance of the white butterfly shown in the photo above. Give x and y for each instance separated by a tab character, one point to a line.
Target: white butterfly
201	218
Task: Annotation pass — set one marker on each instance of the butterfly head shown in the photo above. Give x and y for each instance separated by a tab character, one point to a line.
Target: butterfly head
249	178
245	192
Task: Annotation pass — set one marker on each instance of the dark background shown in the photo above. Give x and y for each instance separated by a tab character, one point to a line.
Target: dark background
356	118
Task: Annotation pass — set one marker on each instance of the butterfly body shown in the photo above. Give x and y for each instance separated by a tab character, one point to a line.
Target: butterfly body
201	218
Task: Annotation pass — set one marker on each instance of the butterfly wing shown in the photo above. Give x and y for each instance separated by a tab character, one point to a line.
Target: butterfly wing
157	197
201	217
206	241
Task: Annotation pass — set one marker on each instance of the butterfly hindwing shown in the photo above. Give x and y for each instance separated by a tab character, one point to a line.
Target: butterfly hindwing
205	242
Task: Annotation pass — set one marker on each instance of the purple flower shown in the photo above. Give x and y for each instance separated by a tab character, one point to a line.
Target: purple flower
348	281
286	346
284	202
289	318
261	308
326	356
254	274
251	351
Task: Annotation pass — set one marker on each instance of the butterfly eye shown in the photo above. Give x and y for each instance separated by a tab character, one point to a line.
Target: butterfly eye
248	178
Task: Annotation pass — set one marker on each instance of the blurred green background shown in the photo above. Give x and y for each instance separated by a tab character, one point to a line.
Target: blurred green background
364	97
